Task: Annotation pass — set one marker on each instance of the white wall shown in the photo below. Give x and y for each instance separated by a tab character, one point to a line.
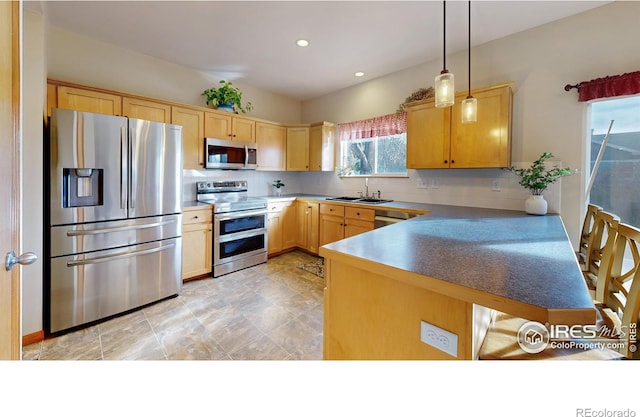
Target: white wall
33	104
75	58
600	42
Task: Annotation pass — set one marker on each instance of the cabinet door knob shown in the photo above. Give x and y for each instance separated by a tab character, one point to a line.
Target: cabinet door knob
453	162
445	161
195	217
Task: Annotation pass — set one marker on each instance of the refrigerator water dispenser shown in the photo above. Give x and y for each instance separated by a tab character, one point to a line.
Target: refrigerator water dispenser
82	187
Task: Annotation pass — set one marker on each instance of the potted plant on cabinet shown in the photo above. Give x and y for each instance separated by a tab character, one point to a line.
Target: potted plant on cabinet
536	179
226	98
277	185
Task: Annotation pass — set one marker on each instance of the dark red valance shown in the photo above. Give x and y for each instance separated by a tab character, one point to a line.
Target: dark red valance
613	86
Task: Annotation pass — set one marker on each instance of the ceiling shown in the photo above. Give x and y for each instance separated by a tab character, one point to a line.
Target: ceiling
254	42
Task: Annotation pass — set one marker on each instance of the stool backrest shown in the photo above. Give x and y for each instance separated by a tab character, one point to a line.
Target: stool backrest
587	229
602	236
620	290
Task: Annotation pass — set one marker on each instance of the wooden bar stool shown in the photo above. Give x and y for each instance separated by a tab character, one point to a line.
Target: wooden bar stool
620	289
602	236
587	229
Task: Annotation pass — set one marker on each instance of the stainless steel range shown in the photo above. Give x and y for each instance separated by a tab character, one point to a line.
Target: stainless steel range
239	225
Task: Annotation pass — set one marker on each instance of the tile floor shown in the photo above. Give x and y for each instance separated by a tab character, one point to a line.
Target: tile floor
270	311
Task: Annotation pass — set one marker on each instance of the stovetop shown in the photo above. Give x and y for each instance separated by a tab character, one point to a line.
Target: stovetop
228	196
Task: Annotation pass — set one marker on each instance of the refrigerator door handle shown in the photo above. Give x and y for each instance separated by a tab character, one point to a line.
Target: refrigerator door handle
134	176
117	229
108	258
123	168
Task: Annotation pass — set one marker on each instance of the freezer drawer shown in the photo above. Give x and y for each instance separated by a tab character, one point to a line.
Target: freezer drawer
88	287
89	237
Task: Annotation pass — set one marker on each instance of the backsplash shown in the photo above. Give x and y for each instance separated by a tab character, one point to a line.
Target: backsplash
259	182
488	188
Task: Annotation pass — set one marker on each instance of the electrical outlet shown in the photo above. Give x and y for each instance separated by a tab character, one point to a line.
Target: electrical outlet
435	183
495	186
439	338
421	183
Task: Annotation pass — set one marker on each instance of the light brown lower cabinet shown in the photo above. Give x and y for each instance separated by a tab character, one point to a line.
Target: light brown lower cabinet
308	216
281	226
197	241
338	222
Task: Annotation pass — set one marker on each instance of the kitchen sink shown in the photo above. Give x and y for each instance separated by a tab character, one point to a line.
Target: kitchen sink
373	200
368	200
343	198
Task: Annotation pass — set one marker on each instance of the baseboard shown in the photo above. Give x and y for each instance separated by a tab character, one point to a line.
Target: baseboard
28	339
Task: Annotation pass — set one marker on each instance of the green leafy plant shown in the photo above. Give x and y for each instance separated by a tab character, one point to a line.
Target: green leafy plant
537	177
278	183
226	94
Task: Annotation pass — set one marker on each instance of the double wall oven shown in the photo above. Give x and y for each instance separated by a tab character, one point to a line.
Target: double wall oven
240	225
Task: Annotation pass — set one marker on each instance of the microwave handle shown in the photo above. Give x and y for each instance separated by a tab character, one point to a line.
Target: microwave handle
246	156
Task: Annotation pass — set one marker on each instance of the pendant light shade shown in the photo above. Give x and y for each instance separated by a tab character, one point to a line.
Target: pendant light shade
445	90
469	105
444	84
469	110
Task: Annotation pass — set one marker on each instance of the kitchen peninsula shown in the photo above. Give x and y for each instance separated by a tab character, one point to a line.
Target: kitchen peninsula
449	269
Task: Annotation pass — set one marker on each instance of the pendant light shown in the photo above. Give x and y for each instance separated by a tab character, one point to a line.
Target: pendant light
469	105
445	90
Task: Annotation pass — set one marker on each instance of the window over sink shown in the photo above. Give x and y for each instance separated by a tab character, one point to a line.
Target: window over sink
376	146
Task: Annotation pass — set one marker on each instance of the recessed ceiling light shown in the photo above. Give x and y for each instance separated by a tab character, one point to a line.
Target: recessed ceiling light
359	74
302	42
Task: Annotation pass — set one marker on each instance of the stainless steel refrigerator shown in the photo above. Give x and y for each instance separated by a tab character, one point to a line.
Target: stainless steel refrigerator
114	217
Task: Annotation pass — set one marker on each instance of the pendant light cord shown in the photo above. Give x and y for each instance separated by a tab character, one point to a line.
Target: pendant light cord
469	46
444	36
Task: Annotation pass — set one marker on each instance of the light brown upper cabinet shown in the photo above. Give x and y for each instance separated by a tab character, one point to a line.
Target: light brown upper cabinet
223	126
322	143
436	137
146	110
192	122
271	139
89	101
297	148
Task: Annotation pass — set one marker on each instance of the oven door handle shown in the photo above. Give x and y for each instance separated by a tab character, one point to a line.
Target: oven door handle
240	235
240	214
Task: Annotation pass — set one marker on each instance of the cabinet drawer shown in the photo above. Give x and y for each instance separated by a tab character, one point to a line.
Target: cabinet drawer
359	213
197	216
276	207
332	209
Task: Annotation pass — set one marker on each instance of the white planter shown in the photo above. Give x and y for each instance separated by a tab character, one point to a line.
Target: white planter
536	204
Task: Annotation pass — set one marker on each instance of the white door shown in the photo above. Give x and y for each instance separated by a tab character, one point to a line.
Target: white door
10	332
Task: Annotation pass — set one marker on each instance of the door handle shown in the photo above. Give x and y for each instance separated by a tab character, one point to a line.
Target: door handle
26	258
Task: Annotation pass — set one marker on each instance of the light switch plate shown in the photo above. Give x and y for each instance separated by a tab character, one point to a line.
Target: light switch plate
439	338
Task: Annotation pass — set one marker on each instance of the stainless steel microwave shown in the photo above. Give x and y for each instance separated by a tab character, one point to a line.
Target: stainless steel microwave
228	154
